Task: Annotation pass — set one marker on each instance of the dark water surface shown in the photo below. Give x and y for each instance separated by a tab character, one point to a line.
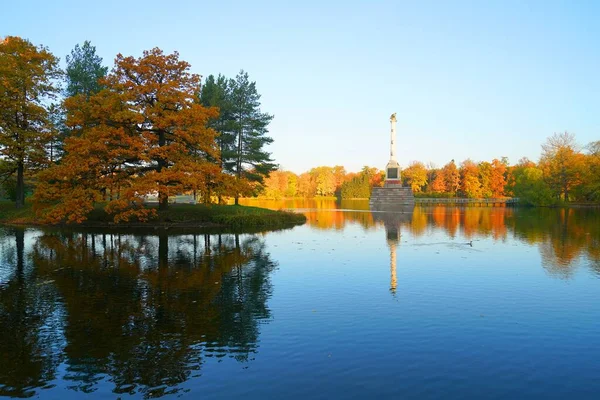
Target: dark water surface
436	302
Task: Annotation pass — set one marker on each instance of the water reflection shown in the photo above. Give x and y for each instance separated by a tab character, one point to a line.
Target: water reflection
563	236
392	222
142	312
29	321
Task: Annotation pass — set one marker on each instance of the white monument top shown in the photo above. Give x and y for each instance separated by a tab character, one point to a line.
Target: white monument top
393	138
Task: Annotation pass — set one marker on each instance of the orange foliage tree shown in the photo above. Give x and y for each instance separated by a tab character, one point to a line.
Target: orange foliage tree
469	179
27	75
498	178
438	185
143	134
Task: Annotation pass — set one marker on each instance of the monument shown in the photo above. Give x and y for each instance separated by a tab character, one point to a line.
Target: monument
392	170
392	194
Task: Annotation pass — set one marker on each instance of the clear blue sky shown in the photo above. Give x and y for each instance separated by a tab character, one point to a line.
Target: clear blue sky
472	79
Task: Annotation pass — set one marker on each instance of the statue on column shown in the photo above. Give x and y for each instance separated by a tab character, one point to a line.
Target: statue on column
392	176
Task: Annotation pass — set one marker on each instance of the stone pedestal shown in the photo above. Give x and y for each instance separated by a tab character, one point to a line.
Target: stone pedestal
391	197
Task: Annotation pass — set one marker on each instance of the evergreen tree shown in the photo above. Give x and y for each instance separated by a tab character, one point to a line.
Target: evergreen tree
251	163
84	69
216	92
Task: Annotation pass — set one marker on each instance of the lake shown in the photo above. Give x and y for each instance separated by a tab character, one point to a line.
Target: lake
422	303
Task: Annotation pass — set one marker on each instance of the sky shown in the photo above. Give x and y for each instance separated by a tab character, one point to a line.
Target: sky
467	79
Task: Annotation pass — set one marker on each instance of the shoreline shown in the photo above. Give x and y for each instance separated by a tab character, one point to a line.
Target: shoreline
178	216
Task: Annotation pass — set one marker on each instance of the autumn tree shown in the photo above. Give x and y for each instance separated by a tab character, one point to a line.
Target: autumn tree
27	82
561	162
325	183
292	188
82	75
280	184
498	177
469	179
485	178
415	176
451	178
339	173
144	133
432	172
438	184
306	185
592	183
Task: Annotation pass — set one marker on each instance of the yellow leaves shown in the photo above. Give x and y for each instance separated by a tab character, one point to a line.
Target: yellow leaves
416	176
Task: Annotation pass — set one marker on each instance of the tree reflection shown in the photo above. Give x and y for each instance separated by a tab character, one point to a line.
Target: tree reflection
143	312
29	322
563	236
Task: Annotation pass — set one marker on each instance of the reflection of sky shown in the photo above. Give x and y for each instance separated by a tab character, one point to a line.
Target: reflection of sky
465	320
8	254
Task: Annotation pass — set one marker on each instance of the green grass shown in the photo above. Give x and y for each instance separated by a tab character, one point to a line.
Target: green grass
182	215
9	213
230	215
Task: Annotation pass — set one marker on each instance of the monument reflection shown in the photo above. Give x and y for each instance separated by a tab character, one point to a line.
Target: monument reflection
562	236
392	222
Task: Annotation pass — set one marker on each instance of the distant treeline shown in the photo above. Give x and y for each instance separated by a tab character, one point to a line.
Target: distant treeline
565	172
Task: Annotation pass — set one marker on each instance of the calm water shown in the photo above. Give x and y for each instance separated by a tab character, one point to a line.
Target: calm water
436	302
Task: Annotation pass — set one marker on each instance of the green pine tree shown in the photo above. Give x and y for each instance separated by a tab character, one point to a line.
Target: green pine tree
216	92
251	162
84	69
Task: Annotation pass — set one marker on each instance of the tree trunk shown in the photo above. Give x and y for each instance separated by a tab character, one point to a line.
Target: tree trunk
20	198
163	198
239	163
163	202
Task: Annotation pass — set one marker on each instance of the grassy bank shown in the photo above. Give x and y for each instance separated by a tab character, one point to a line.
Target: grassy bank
178	215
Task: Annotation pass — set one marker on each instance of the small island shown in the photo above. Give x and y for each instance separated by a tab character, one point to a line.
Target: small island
187	216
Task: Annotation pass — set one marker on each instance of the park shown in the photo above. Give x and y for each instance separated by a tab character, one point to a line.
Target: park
343	201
